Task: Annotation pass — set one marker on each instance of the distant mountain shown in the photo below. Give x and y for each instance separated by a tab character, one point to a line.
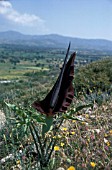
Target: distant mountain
53	41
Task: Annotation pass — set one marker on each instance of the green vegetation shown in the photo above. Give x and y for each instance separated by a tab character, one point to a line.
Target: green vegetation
82	142
95	80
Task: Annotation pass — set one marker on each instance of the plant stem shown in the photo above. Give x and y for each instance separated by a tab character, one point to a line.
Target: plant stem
40	156
52	144
38	138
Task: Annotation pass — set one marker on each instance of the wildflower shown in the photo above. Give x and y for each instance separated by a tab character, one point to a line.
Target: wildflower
73	133
56	148
92	137
87	116
54	137
97	131
71	168
93	164
18	162
110	132
105	140
106	148
81	118
62	144
73	121
105	135
83	123
108	143
83	165
64	129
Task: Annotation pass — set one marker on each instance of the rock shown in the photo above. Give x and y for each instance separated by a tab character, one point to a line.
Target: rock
2	119
60	168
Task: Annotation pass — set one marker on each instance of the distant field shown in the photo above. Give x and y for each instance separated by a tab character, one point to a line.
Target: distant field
16	61
10	71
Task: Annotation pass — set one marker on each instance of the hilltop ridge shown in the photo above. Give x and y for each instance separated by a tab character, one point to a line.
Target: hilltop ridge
53	41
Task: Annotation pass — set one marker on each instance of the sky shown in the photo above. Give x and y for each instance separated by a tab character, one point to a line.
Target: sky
75	18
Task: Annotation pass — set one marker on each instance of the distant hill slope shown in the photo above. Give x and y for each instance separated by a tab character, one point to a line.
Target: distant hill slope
53	40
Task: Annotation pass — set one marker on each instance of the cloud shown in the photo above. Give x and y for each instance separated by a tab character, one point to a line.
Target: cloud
24	19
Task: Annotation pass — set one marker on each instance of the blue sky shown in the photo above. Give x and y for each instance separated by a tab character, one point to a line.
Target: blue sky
76	18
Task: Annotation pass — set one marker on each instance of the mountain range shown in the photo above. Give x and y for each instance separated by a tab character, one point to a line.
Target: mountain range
53	41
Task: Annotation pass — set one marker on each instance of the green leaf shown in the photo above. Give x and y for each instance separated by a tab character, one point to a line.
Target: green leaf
71	117
46	127
83	106
12	106
38	118
77	109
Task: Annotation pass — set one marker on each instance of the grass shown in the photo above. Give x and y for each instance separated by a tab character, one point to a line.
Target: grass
85	144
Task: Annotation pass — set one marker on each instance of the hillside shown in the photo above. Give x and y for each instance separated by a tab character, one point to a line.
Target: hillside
54	41
89	136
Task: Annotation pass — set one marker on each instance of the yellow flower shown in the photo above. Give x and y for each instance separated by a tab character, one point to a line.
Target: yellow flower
86	115
54	137
88	140
71	168
18	162
73	121
56	148
83	123
105	135
62	144
108	143
93	164
64	129
111	132
73	133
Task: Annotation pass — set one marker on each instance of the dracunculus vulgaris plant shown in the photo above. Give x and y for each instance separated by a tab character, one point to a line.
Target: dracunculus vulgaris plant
51	112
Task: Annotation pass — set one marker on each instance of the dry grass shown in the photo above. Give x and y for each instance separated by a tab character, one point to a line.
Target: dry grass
87	144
